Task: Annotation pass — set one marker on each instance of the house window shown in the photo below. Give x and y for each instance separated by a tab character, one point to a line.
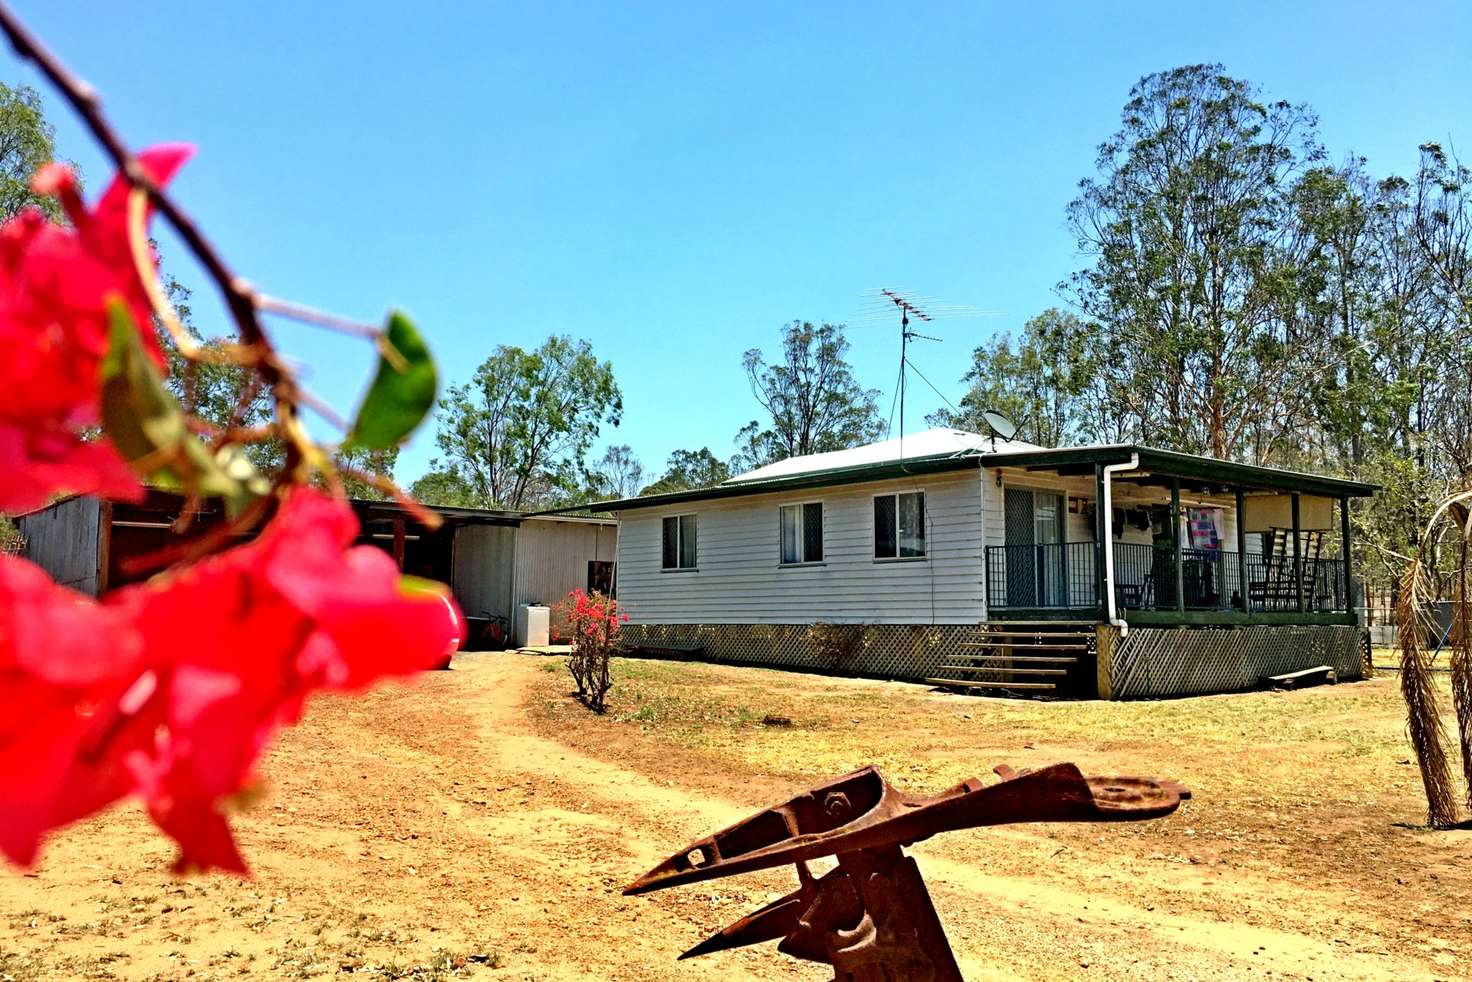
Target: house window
679	542
899	525
802	533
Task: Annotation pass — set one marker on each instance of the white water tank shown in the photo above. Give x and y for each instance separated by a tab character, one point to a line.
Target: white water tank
533	622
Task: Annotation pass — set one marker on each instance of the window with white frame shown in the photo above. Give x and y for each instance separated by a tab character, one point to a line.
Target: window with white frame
802	533
899	525
678	542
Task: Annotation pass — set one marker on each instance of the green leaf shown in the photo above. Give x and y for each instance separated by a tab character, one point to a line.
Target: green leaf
402	392
147	425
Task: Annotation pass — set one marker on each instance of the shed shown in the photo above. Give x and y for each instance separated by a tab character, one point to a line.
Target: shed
492	560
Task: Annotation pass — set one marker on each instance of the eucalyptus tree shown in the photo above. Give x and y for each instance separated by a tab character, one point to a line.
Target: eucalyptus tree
687	470
518	433
812	400
1195	263
27	141
1041	380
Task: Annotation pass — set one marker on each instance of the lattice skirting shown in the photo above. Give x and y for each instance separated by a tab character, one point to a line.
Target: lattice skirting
1185	661
891	651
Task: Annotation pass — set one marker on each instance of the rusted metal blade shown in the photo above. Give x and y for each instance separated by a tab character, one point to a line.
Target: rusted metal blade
799	919
776	920
862	811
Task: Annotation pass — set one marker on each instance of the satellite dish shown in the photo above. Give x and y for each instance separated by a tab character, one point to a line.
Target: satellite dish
1000	425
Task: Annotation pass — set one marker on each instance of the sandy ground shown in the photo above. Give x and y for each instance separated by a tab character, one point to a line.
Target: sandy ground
480	825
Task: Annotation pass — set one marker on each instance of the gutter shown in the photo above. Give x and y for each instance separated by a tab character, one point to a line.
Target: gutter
1111	610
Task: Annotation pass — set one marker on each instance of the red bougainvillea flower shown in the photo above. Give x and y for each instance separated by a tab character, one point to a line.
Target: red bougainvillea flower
55	282
232	646
63	659
593	616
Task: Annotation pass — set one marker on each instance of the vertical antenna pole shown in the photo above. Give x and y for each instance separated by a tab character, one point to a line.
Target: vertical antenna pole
906	309
904	342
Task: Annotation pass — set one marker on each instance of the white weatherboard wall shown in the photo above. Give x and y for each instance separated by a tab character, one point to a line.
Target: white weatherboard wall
739	579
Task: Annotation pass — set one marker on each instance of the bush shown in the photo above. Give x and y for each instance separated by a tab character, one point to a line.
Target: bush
593	621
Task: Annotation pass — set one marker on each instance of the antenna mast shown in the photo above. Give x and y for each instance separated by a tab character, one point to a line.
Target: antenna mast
906	308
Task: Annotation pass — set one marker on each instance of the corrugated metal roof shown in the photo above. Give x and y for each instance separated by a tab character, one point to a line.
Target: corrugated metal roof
956	450
938	442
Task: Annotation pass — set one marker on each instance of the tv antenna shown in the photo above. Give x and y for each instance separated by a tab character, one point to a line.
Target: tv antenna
914	309
906	308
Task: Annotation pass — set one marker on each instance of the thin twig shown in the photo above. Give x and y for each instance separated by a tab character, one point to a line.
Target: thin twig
148	275
248	393
332	322
322	409
238	295
310	315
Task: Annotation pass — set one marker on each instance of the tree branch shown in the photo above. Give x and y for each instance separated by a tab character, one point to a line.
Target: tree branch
238	295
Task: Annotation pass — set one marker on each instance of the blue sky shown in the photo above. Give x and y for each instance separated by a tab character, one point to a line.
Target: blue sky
675	181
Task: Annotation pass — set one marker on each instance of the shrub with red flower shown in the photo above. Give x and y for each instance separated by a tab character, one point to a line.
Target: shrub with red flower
593	620
170	690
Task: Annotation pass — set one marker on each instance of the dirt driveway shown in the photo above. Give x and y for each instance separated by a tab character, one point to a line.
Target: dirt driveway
478	825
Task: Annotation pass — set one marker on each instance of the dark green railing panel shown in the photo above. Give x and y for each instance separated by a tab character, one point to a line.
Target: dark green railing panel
1061	576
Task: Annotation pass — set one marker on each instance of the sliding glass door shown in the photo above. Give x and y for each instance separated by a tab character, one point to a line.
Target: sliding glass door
1036	573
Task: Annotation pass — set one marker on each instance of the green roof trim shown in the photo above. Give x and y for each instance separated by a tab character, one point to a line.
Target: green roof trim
1165	462
855	474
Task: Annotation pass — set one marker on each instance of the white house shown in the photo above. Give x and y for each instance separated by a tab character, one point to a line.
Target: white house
951	557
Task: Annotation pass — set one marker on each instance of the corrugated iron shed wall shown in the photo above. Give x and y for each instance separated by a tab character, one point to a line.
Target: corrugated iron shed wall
63	540
482	565
552	557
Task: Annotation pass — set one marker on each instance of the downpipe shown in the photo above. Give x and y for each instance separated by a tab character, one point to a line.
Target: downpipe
1111	607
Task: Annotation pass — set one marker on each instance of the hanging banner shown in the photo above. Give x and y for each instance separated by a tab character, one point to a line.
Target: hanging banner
1204	526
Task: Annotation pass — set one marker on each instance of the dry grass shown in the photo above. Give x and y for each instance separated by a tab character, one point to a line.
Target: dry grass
481	824
1306	801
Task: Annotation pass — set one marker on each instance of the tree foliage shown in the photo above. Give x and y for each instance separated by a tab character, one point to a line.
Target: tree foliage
1197	262
1249	299
519	432
1041	381
617	474
440	486
218	392
356	464
26	143
812	400
688	470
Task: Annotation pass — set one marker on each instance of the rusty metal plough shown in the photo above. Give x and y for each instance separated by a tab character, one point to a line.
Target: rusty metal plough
870	917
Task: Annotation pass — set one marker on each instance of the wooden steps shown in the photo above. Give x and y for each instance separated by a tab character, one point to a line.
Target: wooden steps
1033	657
1048	646
1025	659
956	683
1004	670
